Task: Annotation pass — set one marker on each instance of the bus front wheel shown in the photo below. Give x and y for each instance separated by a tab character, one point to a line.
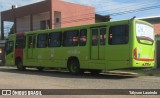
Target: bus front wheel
74	67
20	65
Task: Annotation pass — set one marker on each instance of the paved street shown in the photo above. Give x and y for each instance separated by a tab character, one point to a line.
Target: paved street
11	78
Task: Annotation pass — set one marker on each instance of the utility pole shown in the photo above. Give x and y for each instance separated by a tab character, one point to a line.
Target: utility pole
14	17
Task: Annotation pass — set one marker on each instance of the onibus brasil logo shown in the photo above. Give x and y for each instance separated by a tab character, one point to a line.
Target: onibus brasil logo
21	92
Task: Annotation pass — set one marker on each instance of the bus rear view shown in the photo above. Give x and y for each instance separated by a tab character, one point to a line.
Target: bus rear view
143	45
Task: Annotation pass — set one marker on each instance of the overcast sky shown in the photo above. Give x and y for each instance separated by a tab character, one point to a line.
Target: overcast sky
118	9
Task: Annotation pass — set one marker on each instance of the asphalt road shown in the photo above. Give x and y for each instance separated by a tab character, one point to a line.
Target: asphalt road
11	78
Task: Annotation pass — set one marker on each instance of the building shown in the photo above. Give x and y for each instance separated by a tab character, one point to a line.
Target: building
155	20
48	14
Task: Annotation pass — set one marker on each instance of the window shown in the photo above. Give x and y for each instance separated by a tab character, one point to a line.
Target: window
9	47
43	25
42	40
57	20
55	39
119	34
70	38
20	43
144	33
83	37
94	37
48	24
102	36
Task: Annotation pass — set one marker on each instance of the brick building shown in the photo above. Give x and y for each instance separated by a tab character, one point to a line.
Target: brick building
47	14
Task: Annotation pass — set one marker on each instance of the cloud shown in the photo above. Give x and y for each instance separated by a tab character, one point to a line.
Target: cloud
105	7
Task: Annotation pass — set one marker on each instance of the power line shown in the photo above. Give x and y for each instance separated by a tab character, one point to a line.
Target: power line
135	10
112	9
123	12
113	14
141	5
112	6
80	15
129	7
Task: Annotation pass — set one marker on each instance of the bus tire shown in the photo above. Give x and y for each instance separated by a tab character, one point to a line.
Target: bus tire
74	67
20	65
95	72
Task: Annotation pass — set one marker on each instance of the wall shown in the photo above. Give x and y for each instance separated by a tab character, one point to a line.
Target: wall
57	14
73	14
77	15
23	24
70	15
39	17
157	28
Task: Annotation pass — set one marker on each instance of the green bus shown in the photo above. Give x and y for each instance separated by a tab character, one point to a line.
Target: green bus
95	47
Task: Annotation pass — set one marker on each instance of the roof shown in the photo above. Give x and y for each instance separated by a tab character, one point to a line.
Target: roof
151	19
38	7
102	18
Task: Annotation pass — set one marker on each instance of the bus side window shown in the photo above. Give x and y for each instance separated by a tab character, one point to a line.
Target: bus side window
94	37
70	38
42	40
102	36
83	37
118	34
55	39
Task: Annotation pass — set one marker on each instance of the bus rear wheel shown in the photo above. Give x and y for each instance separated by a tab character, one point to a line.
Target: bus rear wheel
20	65
74	67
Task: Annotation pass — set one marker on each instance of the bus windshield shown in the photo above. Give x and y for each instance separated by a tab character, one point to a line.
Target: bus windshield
144	33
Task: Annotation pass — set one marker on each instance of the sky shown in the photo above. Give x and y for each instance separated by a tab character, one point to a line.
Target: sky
118	9
123	9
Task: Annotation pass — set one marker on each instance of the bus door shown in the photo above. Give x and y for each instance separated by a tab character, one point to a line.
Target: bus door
31	52
118	47
98	41
9	48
